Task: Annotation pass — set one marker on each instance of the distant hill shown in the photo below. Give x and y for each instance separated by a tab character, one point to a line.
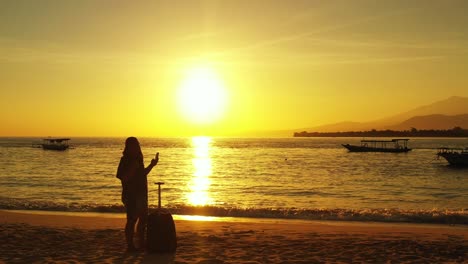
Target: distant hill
433	122
454	132
443	114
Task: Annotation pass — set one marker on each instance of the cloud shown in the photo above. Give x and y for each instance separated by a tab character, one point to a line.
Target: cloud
308	36
343	49
12	50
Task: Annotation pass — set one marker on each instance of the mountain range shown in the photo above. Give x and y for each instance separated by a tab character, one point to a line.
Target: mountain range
445	114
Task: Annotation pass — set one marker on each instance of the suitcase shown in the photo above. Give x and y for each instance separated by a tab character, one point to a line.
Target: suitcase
160	231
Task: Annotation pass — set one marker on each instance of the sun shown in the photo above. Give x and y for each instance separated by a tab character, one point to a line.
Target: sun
202	96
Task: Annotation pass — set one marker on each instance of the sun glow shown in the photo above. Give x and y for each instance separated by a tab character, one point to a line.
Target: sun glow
202	96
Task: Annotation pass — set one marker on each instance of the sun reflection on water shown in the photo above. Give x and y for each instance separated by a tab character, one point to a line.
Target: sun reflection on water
200	182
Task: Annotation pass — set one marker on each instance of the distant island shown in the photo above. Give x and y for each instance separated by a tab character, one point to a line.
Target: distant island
454	132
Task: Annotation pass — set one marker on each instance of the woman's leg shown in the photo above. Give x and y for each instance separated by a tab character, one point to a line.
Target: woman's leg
129	231
131	209
141	227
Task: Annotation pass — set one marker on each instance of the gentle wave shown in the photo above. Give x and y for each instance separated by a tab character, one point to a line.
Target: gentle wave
459	217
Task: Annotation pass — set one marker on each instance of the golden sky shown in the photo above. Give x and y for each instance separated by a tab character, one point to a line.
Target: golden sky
117	68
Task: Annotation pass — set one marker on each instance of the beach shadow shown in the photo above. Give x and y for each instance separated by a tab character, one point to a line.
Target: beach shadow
158	258
144	258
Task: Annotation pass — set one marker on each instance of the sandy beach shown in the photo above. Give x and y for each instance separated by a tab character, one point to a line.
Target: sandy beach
42	237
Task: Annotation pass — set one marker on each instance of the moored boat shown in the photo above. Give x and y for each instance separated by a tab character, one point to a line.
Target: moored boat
394	146
55	143
454	156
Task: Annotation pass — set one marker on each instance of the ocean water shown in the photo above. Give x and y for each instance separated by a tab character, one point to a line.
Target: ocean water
299	178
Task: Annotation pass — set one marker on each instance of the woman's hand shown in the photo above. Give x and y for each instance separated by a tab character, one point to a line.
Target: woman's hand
155	160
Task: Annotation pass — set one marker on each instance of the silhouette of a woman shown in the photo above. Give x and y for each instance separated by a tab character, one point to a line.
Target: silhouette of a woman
133	175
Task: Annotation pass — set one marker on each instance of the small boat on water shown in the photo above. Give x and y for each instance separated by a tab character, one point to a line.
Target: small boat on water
454	156
55	143
394	146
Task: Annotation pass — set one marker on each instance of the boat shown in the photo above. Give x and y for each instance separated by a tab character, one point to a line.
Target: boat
55	143
454	156
394	146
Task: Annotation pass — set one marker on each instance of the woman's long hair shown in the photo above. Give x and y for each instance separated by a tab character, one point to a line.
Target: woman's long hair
133	150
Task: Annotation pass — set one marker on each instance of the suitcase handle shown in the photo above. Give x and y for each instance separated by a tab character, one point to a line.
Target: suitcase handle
159	193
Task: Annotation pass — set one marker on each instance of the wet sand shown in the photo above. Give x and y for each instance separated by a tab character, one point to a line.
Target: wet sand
41	237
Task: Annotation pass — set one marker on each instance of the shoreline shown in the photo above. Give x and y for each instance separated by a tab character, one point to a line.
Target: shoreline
392	215
232	219
93	237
